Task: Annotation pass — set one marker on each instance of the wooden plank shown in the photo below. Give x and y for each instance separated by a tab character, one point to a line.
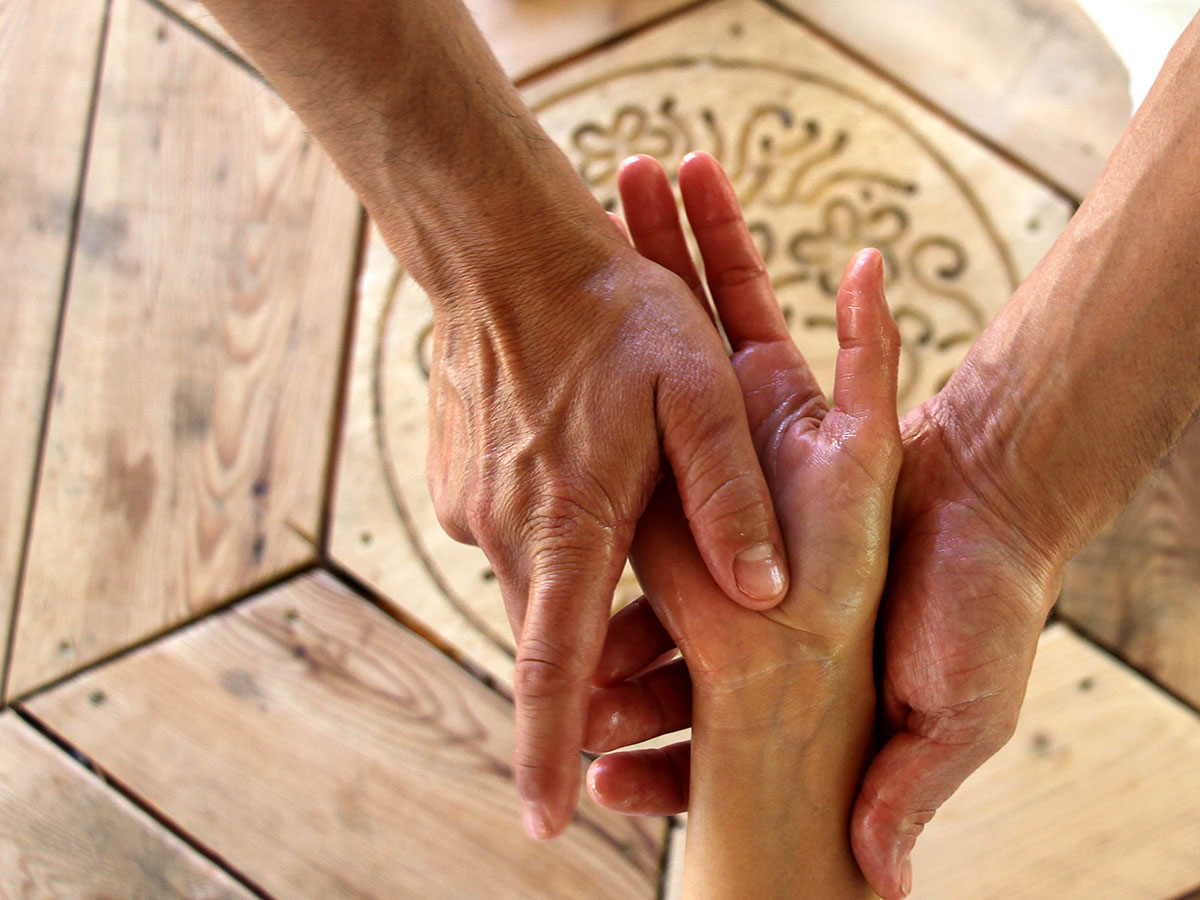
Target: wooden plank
64	834
529	35
47	68
525	35
1094	798
1036	77
325	751
827	157
190	423
1136	587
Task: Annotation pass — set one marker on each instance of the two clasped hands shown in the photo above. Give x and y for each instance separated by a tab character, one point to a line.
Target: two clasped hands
780	689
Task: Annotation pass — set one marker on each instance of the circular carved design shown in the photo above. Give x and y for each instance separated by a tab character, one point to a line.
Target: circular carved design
821	172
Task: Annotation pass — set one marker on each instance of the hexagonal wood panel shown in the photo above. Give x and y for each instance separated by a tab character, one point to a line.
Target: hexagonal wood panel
325	751
64	834
826	158
48	56
189	428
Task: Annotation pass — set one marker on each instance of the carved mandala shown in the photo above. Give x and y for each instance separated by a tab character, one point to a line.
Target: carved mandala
821	171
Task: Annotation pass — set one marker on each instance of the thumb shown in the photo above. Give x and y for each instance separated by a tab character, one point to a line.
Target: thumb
724	494
906	783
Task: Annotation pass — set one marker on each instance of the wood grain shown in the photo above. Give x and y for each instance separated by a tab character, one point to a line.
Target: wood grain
327	752
1035	77
47	67
190	423
525	35
64	835
826	157
1136	587
1094	798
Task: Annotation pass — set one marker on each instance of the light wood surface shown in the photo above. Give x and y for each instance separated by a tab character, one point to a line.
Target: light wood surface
190	423
1035	77
826	157
327	752
525	35
65	836
48	56
1094	798
1136	587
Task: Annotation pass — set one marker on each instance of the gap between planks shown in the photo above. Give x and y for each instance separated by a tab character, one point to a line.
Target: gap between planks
56	352
93	771
934	109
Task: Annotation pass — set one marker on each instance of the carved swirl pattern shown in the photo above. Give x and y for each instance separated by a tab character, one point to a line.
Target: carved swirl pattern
820	171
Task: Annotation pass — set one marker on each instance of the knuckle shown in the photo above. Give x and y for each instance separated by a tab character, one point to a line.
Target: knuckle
732	277
570	513
477	512
450	513
544	670
734	501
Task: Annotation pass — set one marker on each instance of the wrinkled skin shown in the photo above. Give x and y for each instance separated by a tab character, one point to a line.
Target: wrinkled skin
966	598
551	426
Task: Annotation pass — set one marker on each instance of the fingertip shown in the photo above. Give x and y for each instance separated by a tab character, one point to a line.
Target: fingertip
708	195
873	839
538	823
639	171
592	779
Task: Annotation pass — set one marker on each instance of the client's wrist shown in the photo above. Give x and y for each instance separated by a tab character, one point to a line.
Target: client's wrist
791	698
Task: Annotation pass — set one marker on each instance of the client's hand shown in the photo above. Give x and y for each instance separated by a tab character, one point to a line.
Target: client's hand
783	700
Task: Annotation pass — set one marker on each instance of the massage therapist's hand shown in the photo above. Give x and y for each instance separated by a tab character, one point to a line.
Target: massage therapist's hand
554	415
783	699
966	598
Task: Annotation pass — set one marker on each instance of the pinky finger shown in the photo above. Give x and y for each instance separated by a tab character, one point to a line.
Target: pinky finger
643	782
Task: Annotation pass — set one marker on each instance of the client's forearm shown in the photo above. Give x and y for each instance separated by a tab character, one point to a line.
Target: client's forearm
773	779
1092	370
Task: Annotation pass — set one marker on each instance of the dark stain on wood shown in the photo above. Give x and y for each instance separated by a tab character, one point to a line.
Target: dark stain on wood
102	234
129	486
241	684
191	410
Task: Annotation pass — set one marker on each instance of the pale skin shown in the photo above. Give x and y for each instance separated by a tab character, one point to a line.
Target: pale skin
783	700
994	492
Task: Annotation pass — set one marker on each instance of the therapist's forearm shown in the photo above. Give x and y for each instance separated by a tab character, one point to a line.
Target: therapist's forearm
1092	370
408	99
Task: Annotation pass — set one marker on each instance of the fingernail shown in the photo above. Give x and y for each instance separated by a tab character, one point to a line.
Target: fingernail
906	876
758	572
537	821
